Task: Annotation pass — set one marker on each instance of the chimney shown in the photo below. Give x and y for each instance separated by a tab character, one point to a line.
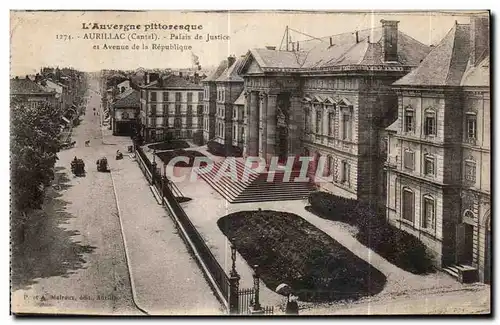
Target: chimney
331	41
390	40
357	37
298	46
480	38
146	76
230	61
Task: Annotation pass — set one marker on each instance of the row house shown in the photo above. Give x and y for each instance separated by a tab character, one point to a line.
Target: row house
125	112
329	97
26	92
438	166
229	86
171	107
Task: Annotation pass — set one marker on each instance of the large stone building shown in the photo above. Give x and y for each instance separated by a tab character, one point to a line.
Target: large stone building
24	91
171	106
329	97
438	167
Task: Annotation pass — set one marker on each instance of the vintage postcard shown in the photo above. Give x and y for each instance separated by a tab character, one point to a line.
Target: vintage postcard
250	163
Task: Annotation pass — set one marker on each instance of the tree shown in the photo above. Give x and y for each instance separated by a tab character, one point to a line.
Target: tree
34	145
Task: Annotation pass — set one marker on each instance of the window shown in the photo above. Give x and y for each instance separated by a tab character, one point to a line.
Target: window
143	94
318	122
189	122
200	96
408	205
189	133
470	172
177	133
346	127
153	110
165	96
429	213
409	122
178	96
234	132
331	119
177	123
153	96
429	165
200	109
189	97
234	113
190	110
430	123
178	109
329	165
471	125
345	172
409	159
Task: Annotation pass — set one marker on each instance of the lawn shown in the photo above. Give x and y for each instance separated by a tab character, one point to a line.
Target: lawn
290	250
191	154
397	246
169	145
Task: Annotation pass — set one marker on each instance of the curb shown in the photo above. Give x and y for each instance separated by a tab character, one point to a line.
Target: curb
131	278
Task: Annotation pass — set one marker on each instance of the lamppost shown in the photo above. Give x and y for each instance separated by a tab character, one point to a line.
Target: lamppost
256	282
153	165
234	282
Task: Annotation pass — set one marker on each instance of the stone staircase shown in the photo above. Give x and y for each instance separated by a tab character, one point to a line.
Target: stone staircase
463	273
256	187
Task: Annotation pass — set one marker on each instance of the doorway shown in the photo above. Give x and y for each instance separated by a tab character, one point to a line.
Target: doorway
465	243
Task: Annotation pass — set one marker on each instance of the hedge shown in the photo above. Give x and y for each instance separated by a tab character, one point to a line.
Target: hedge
397	246
218	149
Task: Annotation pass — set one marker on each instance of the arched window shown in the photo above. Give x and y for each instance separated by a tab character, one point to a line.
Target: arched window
409	119
428	213
408	205
430	122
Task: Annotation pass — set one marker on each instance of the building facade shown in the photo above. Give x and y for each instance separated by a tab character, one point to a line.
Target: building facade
331	98
125	112
27	92
210	97
438	166
171	106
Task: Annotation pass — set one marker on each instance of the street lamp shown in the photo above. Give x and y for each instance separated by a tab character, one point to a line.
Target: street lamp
233	272
256	281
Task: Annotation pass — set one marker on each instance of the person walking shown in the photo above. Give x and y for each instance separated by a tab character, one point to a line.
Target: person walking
292	308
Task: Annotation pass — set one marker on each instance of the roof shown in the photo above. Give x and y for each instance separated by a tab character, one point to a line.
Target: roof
27	86
217	72
127	99
318	53
446	63
172	81
394	127
477	76
241	99
231	73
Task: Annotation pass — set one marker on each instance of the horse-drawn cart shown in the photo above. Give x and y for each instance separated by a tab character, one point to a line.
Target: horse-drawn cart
102	165
78	167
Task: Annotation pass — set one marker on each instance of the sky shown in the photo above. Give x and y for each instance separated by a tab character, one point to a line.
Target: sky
35	42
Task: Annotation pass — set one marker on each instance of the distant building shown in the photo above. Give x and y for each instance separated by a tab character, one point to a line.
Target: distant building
24	91
125	112
438	166
171	106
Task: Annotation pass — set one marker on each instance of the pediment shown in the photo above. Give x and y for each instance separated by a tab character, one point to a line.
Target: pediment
250	65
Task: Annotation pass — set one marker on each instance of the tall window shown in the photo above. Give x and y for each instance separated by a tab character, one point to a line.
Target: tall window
329	165
409	120
153	110
165	96
200	109
430	122
307	120
346	127
471	127
178	109
331	119
408	205
470	172
409	159
345	172
429	213
153	96
189	97
178	96
234	132
318	122
177	123
429	165
200	96
190	110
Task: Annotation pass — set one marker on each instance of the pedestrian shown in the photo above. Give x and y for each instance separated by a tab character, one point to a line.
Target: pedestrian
292	308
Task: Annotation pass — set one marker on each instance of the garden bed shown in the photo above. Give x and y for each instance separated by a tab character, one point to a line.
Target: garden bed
191	154
220	150
395	245
169	145
290	250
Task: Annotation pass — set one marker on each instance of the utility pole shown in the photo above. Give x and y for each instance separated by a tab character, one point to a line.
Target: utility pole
287	37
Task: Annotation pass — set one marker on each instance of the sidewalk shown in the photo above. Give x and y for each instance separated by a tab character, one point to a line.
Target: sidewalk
165	278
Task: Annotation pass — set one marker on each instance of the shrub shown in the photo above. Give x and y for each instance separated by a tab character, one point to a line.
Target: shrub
218	149
169	145
397	246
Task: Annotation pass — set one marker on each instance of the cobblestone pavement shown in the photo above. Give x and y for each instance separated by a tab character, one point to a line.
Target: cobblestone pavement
74	261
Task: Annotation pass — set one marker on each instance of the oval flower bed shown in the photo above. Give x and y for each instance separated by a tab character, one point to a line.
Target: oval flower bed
290	250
